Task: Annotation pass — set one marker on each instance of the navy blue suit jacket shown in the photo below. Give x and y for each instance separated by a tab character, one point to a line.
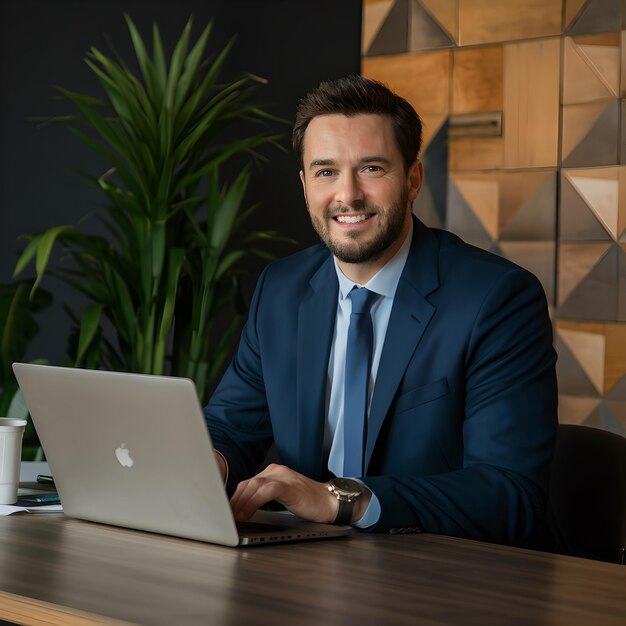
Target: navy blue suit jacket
463	416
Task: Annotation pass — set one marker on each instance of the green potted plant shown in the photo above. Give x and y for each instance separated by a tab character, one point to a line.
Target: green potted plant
18	327
175	229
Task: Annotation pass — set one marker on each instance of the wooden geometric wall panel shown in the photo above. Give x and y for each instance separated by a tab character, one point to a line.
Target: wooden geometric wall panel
431	126
599	189
483	78
425	32
480	192
431	203
488	21
591	111
477	80
588	281
421	78
375	12
578	221
510	213
602	53
591	371
612	410
615	368
393	34
576	261
528	206
573	8
446	13
531	103
603	191
591	133
597	16
513	206
475	153
604	413
397	26
591	68
461	219
576	409
622	158
588	348
572	378
552	74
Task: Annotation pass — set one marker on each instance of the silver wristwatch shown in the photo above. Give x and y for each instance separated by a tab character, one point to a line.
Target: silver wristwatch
347	491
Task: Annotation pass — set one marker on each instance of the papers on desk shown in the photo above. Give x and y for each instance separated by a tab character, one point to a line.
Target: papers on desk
9	509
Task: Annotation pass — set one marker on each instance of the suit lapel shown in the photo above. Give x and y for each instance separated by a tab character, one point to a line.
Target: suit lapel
410	315
316	324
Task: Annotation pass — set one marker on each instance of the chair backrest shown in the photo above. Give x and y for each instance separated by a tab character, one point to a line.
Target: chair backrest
588	493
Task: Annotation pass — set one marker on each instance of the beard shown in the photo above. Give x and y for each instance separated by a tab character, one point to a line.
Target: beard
390	227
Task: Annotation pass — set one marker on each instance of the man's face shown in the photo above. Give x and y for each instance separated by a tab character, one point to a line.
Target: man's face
358	194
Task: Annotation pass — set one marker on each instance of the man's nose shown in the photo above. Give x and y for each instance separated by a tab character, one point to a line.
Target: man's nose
349	191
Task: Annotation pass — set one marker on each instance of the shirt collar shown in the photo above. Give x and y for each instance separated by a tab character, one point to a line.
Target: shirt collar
385	281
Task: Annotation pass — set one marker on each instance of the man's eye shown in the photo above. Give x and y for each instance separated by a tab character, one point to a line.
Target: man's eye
325	173
373	168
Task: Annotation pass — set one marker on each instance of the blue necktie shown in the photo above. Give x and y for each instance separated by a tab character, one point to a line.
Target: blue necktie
358	365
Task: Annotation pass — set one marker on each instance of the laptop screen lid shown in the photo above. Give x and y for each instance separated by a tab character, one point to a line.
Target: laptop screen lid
133	450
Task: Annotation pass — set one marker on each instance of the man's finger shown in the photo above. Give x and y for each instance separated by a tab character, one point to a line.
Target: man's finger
252	495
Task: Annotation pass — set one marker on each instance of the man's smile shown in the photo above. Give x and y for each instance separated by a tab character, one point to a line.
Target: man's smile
352	219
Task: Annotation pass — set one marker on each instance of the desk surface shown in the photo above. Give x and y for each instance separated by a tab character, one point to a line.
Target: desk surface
367	579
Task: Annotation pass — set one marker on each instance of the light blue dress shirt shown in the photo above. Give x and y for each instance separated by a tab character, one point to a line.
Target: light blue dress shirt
384	283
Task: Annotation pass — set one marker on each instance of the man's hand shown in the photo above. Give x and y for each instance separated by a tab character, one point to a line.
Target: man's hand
304	497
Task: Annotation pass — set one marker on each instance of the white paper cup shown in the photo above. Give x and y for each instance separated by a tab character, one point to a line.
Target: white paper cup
11	433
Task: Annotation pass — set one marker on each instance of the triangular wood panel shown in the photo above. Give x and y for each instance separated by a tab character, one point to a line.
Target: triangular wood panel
599	187
589	351
576	260
446	12
577	221
375	12
425	33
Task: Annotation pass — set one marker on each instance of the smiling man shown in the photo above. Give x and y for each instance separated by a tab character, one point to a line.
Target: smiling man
358	190
406	378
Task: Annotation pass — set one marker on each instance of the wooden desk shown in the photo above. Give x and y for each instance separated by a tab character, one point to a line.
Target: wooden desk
368	579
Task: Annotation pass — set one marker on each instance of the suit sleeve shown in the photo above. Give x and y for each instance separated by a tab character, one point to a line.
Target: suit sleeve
509	428
237	414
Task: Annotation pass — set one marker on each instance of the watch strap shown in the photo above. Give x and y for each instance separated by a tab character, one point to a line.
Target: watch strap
344	514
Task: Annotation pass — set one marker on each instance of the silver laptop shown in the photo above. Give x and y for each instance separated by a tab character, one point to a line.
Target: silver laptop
133	450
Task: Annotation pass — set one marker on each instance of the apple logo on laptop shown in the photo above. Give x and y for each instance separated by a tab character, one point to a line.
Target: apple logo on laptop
123	456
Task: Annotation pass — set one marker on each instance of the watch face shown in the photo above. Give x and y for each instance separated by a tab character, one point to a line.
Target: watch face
350	487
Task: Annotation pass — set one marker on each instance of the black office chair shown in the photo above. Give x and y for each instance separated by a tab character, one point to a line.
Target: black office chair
587	498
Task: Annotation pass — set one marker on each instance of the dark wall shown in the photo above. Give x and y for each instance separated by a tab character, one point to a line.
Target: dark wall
293	43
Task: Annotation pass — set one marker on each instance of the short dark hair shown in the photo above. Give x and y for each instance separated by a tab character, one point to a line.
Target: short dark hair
355	95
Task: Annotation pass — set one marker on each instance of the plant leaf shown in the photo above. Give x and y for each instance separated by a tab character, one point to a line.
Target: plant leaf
27	255
176	65
44	249
89	325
